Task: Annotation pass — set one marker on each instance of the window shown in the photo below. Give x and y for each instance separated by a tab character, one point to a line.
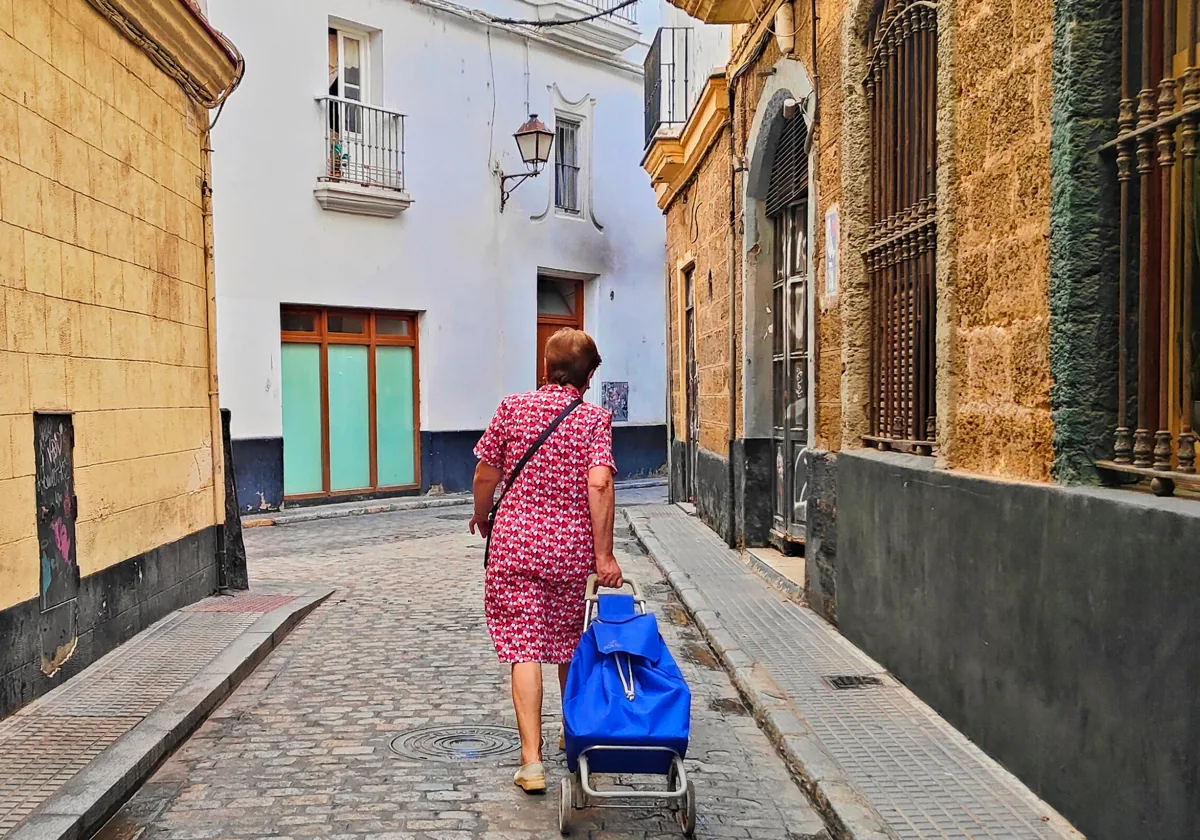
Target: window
902	252
1156	158
566	165
349	402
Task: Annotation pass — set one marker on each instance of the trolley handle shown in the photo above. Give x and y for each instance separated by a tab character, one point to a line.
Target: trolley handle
593	585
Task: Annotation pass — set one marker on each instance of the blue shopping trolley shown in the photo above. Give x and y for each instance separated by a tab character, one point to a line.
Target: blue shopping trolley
626	709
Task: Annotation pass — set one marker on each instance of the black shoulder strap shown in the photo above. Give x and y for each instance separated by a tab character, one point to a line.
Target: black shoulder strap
532	450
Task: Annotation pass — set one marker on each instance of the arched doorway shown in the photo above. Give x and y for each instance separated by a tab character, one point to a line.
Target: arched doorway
787	209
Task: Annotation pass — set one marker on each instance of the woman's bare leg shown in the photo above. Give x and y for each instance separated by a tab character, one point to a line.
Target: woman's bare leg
527	702
562	678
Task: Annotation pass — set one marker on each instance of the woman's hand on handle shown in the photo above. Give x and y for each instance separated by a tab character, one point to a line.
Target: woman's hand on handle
608	572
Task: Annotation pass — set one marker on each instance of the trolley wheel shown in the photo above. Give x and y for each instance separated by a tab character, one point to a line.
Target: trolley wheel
566	801
687	814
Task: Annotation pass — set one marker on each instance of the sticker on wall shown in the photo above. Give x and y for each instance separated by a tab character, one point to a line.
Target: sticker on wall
614	396
831	251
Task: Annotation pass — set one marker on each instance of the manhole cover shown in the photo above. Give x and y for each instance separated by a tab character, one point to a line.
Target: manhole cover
851	682
457	743
455	517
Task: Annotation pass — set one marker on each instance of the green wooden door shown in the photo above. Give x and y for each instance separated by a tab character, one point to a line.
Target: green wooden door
395	416
302	431
349	418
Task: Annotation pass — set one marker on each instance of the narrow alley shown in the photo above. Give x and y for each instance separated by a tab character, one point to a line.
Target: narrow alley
303	747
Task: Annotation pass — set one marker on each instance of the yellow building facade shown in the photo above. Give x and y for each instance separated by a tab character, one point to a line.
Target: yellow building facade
111	477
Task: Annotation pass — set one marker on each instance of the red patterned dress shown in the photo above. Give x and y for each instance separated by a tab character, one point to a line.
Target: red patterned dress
542	550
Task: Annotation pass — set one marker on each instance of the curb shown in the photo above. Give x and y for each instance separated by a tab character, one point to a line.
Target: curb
776	580
846	812
81	806
316	514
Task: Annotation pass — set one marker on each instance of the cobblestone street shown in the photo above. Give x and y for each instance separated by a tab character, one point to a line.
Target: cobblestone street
302	747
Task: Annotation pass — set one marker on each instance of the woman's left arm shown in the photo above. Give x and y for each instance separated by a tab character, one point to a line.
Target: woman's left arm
487	479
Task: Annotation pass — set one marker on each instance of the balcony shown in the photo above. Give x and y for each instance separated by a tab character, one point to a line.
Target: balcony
363	171
669	81
685	109
611	34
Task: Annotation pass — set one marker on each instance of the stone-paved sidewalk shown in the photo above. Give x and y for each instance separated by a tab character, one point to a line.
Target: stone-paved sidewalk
70	757
878	761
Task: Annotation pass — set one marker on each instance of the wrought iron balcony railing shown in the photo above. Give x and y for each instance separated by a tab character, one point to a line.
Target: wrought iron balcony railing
364	144
627	14
669	79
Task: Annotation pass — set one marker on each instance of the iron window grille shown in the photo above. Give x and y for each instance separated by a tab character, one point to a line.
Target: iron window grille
901	252
566	166
1156	157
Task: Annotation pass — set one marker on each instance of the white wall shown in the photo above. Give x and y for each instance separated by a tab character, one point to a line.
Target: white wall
452	255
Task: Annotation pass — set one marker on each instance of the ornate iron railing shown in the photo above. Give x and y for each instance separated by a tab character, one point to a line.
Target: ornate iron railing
364	144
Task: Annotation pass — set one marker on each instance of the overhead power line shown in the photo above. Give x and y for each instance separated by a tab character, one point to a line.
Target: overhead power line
541	24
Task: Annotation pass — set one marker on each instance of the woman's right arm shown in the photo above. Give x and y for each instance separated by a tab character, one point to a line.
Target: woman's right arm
602	506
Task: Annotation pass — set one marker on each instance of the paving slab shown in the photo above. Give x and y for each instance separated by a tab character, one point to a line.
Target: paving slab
71	757
877	761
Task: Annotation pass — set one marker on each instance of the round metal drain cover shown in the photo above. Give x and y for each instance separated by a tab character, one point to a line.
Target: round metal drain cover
458	743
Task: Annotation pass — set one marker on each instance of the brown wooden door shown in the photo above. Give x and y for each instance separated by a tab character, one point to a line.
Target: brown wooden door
560	304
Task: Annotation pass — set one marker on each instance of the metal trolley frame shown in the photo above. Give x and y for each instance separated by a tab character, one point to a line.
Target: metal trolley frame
576	791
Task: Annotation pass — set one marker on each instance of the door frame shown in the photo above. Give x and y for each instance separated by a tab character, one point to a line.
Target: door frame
691	382
369	338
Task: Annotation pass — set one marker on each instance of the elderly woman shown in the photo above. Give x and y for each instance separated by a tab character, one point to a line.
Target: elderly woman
554	527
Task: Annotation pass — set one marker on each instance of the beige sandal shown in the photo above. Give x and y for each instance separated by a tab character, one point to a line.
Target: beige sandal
531	778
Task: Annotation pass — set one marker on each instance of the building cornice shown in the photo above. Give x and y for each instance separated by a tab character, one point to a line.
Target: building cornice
673	157
179	39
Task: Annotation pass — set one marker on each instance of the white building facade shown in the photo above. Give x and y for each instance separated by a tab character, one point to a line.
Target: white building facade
375	302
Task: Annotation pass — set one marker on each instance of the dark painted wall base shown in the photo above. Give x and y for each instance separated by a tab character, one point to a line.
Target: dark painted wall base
752	481
712	492
820	550
447	461
114	605
1056	627
258	473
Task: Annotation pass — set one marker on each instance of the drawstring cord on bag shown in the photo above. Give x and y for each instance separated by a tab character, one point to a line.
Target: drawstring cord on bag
627	683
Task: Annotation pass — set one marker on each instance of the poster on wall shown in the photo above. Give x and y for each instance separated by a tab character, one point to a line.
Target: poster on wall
831	251
614	397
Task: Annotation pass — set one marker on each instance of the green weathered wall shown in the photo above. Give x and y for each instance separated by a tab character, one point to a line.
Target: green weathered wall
1083	234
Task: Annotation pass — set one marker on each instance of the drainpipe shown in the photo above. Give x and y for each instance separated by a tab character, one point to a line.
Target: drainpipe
216	433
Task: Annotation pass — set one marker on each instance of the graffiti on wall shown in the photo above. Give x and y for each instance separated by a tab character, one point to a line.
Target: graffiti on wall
614	396
54	496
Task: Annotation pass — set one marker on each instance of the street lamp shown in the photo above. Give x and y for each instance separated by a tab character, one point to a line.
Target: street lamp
533	141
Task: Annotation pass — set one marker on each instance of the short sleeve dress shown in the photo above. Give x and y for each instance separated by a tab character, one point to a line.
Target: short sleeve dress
542	549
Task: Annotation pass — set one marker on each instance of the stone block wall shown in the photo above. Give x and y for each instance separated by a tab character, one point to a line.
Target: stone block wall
697	233
1000	338
103	308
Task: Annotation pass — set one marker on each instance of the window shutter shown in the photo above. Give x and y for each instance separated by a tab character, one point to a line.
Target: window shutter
789	167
